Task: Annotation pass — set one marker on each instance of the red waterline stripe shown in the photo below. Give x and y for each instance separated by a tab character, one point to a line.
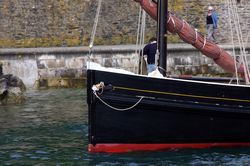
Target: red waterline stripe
124	148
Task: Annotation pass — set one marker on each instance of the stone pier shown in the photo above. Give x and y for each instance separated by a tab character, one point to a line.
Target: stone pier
66	66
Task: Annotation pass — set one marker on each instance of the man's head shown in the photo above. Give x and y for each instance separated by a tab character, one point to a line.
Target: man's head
210	8
152	39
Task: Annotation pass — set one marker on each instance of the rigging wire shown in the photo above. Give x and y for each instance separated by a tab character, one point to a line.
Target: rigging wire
138	31
92	38
241	43
247	38
95	24
137	49
234	17
245	62
140	38
232	39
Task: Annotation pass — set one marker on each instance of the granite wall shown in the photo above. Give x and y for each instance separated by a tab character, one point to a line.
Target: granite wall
50	23
66	66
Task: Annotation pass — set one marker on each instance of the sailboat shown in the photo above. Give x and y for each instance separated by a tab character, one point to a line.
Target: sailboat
130	112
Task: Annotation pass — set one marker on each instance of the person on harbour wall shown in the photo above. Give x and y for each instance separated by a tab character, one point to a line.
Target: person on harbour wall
212	26
149	51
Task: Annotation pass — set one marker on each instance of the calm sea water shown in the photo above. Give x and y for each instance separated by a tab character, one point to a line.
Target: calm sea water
51	129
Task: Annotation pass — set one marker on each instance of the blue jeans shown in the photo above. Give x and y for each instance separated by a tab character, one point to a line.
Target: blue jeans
151	67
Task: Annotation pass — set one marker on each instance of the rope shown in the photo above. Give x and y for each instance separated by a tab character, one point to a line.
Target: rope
169	18
112	107
138	31
159	67
140	38
172	21
236	21
142	34
248	35
95	24
245	62
234	54
179	30
204	44
137	50
92	38
218	55
196	36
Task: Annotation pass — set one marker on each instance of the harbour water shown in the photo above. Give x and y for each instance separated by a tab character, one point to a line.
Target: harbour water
51	129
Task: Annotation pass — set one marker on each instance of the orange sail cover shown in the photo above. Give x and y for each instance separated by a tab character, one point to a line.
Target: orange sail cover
189	35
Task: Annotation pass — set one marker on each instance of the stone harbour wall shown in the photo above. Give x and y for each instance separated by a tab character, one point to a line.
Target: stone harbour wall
62	67
66	23
66	67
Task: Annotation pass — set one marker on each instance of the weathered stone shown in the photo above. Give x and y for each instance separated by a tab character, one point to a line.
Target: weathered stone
64	83
182	59
69	23
15	96
66	73
11	90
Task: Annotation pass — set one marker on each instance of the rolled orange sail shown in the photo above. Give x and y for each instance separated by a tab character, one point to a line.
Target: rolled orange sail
189	35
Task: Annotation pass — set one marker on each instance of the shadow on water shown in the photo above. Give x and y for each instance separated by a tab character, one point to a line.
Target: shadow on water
51	129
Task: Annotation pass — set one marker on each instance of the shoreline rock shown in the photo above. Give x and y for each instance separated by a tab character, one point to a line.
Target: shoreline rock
12	89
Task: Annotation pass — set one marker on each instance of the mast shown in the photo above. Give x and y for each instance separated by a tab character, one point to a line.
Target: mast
162	37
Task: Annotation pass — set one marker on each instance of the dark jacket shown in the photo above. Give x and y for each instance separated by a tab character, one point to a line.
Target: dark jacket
150	51
214	17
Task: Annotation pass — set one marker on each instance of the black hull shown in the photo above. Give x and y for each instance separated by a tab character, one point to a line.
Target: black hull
172	112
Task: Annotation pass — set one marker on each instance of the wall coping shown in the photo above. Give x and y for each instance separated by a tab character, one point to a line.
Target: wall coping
97	49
